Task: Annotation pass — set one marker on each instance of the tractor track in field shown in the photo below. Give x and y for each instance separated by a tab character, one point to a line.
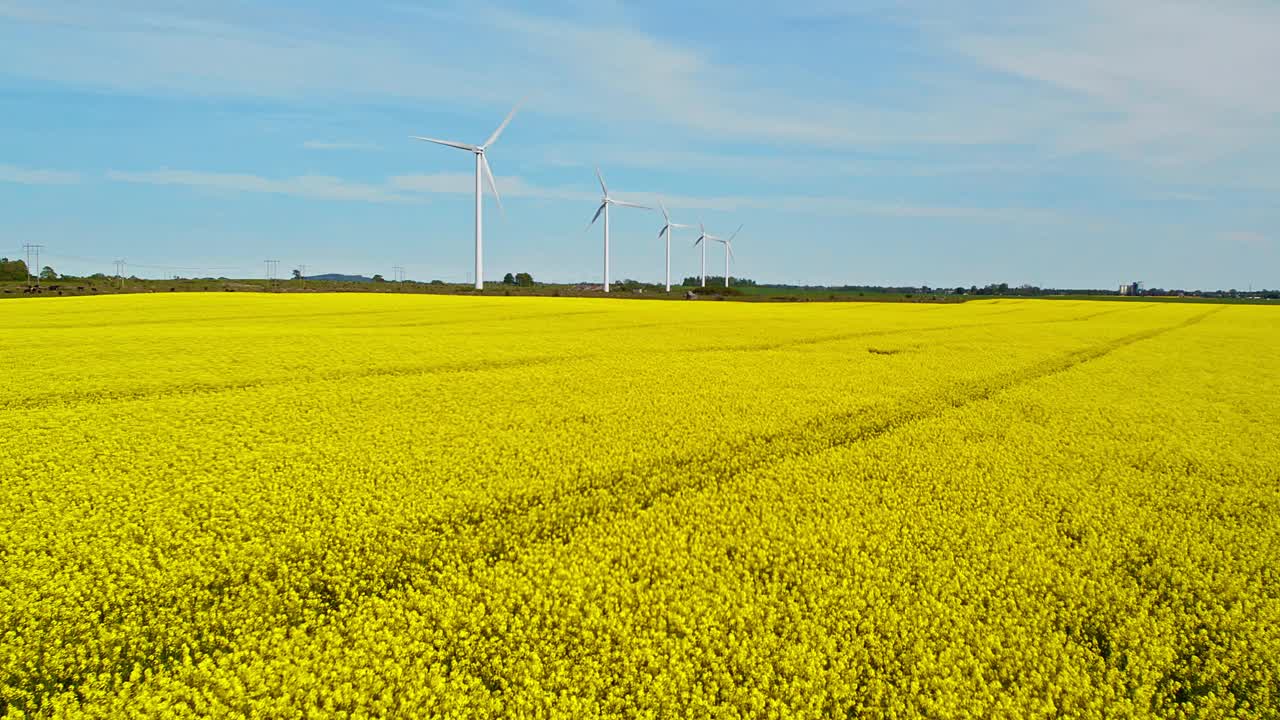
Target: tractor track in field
821	435
72	399
479	538
816	436
480	321
114	323
78	398
83	398
856	334
276	318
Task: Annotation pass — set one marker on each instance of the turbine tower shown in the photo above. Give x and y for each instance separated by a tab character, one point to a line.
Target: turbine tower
605	201
482	168
728	251
666	230
701	241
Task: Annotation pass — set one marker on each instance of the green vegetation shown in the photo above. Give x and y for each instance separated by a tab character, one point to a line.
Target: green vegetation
718	281
13	269
14	284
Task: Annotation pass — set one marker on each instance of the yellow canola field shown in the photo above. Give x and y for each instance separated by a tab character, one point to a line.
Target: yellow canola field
307	506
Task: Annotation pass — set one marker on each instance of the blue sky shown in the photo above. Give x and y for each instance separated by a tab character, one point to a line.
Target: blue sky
917	142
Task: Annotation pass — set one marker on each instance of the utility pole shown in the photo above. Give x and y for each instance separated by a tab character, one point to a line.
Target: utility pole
33	270
120	272
302	275
271	272
399	273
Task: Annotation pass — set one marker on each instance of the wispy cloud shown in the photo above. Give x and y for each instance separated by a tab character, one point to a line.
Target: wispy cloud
464	184
151	46
841	206
1247	238
325	145
413	188
1173	79
408	188
322	187
29	176
838	206
633	77
1168	82
790	165
587	155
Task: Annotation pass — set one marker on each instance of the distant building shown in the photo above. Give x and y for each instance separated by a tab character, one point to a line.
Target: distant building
1133	288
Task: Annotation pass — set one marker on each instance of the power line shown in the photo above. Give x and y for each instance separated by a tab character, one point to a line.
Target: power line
189	269
36	250
102	261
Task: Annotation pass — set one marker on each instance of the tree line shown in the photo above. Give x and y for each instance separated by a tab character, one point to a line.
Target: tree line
17	270
718	281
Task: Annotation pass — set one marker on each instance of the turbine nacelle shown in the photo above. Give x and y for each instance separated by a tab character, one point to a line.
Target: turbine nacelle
667	224
482	170
606	200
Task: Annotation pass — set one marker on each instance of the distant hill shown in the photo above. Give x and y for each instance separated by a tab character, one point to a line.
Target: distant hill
339	277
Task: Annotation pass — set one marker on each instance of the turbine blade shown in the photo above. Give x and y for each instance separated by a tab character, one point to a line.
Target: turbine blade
595	217
600	177
664	229
682	225
488	175
735	233
630	204
494	137
665	216
450	143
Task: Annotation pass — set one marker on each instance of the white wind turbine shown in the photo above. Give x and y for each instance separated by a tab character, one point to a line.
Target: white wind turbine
666	230
728	251
702	240
482	168
605	201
